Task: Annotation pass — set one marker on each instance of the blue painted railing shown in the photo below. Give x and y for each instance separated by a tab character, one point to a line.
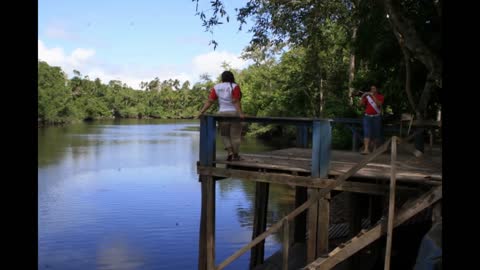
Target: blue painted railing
321	137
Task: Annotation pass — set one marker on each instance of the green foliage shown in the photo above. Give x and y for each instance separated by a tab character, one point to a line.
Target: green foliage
61	100
313	72
325	29
54	99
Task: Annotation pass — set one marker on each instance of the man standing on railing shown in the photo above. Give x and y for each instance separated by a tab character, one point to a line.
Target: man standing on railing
372	121
229	98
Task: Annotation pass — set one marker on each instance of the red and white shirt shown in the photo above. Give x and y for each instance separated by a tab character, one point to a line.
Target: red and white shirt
369	109
225	93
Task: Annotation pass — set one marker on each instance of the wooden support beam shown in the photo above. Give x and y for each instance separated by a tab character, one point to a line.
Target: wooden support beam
207	219
207	140
286	243
298	181
202	254
312	219
206	257
391	203
323	223
321	148
310	202
407	211
300	222
210	222
318	213
259	222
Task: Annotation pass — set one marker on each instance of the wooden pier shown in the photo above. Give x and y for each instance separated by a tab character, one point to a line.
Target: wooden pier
317	172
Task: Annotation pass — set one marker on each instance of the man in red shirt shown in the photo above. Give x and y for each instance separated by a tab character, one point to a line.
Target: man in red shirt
372	121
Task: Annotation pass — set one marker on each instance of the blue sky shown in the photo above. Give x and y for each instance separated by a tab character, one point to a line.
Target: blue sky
135	41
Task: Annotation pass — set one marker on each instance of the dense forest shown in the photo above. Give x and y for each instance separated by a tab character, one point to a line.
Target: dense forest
63	100
310	59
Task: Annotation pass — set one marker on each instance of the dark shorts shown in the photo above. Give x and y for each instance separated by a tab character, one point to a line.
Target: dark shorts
372	126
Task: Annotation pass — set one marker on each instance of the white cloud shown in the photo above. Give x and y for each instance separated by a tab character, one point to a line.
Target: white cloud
82	54
211	63
134	78
83	60
54	56
78	59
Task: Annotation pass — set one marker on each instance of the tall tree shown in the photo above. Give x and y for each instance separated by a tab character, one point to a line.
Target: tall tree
291	23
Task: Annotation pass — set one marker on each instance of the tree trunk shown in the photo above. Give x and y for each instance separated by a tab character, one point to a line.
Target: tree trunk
426	93
408	37
351	69
413	42
408	78
321	98
438	7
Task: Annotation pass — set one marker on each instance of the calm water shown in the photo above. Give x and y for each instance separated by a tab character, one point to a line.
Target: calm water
125	195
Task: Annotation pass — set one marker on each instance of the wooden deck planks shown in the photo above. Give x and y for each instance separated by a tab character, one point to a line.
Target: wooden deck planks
427	169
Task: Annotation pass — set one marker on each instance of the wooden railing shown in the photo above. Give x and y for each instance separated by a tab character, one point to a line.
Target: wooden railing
285	220
321	144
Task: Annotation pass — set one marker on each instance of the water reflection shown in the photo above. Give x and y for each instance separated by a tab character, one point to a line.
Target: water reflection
280	202
125	195
116	253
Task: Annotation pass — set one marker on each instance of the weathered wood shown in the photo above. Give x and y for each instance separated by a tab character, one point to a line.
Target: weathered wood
321	148
207	140
317	164
298	181
423	171
391	204
270	156
210	222
321	154
259	222
323	225
207	226
274	228
202	255
312	219
312	200
286	243
270	164
341	179
312	213
365	238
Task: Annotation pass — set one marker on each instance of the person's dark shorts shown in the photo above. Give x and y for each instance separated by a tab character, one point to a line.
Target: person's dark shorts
372	126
